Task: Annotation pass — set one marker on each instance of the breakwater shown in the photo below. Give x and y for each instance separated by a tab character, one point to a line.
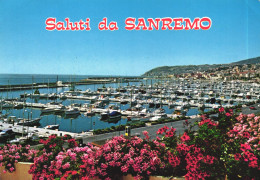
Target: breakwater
96	80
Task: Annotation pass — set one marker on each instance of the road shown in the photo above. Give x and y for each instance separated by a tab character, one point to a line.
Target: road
138	131
153	129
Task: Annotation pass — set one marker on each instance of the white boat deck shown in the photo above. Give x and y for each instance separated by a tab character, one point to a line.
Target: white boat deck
41	132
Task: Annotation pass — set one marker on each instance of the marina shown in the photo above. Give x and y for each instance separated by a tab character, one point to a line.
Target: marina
81	109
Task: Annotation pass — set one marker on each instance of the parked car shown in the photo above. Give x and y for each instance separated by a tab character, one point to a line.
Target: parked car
7	133
252	108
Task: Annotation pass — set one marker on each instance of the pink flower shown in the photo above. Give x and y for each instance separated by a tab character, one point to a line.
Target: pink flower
66	166
162	130
103	166
237	156
11	169
185	137
228	114
253	164
74	173
209	159
245	147
146	134
124	168
173	160
221	109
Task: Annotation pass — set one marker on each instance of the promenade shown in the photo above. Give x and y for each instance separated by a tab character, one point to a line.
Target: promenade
153	129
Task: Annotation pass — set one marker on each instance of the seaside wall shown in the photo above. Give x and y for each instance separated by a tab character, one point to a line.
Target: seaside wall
21	172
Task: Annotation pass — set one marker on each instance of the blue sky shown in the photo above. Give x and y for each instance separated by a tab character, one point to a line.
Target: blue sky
26	47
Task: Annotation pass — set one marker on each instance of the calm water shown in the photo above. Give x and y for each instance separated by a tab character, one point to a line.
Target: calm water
10	79
75	124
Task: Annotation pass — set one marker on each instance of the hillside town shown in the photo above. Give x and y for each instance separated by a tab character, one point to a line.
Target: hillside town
247	72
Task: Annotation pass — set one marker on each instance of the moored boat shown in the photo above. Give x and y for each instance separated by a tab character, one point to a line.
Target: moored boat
114	115
52	127
72	111
33	122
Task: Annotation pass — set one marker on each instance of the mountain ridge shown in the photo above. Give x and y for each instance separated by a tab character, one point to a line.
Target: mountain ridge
162	70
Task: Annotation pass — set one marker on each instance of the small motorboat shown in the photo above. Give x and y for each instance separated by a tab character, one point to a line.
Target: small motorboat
72	111
122	101
89	113
114	115
104	116
52	127
47	110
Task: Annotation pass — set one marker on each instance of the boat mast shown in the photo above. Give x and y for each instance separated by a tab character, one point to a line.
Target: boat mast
56	87
48	90
7	89
31	99
131	97
23	115
28	126
1	102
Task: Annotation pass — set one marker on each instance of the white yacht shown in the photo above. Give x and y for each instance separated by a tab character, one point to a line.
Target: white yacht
72	111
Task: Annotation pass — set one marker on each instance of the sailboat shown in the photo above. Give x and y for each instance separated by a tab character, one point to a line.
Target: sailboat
32	122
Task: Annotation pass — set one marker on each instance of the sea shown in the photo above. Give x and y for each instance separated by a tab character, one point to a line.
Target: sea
71	124
17	79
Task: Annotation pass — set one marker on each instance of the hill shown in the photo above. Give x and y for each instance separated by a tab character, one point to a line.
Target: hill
255	60
164	70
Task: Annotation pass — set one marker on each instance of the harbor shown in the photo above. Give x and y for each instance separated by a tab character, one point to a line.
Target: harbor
81	109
